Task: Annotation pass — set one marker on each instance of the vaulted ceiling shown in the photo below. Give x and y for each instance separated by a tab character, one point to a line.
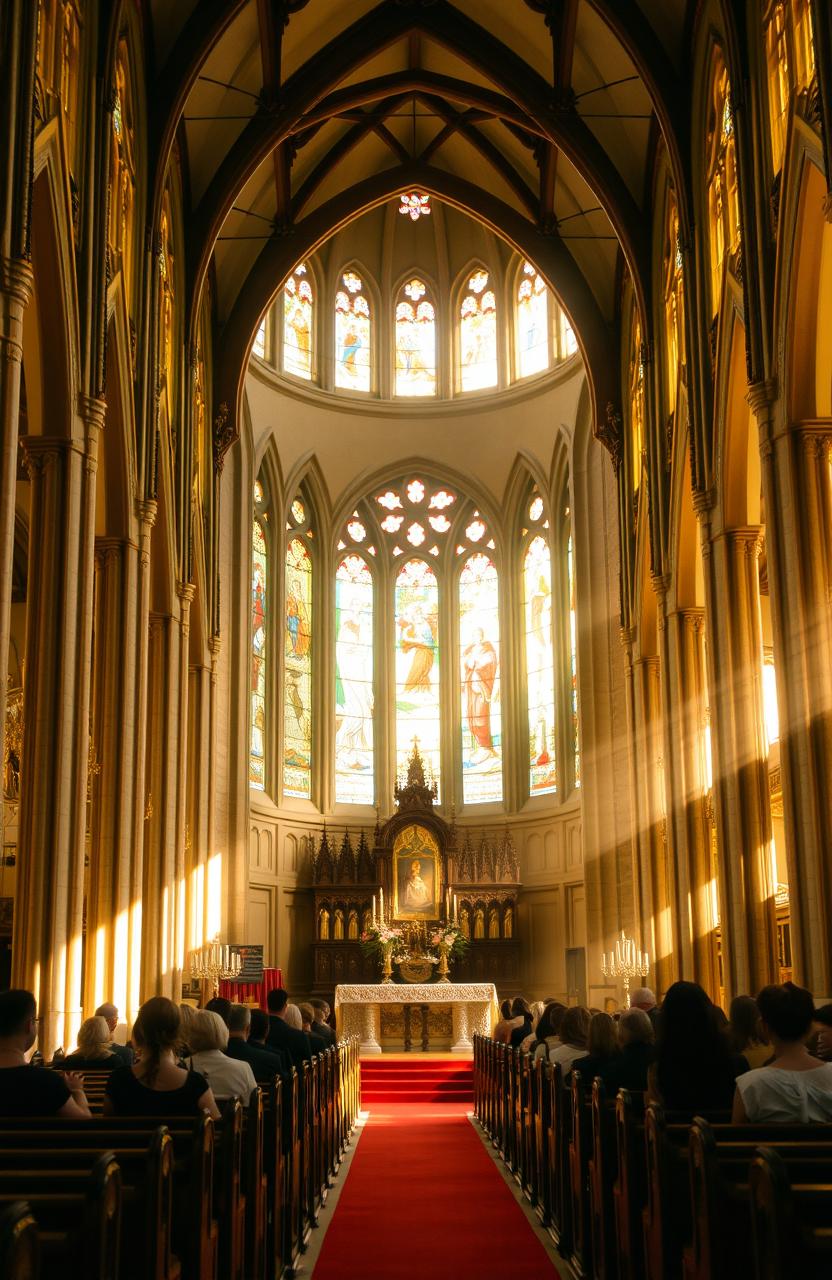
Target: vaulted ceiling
539	117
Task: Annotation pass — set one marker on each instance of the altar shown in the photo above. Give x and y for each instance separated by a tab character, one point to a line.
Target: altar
473	1006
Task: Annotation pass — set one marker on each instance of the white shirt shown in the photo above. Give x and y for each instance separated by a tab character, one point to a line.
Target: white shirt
787	1097
566	1054
228	1077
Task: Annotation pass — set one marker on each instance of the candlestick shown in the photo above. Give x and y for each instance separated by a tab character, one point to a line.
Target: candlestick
625	962
456	911
381	904
374	910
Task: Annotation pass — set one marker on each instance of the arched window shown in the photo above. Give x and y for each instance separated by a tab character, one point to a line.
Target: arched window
167	312
573	659
479	660
540	657
532	322
415	340
478	334
297	670
721	178
122	176
636	380
298	323
354	763
261	338
566	344
790	57
417	665
673	302
353	334
259	637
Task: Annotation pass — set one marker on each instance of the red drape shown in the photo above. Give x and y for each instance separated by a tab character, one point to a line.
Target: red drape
246	992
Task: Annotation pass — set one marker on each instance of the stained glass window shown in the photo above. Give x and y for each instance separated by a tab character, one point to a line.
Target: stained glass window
573	660
417	665
298	323
567	343
479	661
259	572
636	399
540	666
415	341
478	334
532	312
721	178
673	302
297	708
352	334
354	773
259	347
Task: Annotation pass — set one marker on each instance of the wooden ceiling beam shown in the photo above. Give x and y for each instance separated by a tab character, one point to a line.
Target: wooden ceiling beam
348	141
459	123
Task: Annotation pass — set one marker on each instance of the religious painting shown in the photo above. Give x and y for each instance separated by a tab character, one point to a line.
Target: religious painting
257	741
297	706
417	666
540	666
298	324
354	772
415	341
479	660
352	335
478	335
532	323
416	875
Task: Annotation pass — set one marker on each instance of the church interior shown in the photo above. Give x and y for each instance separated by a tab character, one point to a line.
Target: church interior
416	536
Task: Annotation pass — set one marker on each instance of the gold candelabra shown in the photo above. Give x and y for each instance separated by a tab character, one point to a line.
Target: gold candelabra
625	961
214	961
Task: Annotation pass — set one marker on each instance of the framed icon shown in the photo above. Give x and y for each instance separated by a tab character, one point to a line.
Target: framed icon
416	874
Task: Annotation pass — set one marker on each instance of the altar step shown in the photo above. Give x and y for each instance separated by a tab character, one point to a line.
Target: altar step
414	1081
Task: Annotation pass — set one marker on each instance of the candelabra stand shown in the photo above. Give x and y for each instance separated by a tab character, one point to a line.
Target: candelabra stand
443	972
387	963
214	961
625	962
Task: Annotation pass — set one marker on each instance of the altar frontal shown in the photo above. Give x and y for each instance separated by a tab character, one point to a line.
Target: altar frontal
381	1014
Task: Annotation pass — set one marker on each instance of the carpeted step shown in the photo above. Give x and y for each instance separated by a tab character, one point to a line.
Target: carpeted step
409	1080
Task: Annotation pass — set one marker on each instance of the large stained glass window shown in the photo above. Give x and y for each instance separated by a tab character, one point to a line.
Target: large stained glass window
297	707
532	312
352	334
415	341
573	660
478	334
259	617
540	663
636	400
417	665
721	178
354	773
479	661
298	323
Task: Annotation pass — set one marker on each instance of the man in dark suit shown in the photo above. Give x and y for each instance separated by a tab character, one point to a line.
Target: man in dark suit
320	1023
109	1013
281	1036
257	1032
265	1063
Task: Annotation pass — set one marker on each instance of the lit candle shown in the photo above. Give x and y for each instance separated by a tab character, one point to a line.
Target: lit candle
374	909
618	950
456	911
646	964
381	904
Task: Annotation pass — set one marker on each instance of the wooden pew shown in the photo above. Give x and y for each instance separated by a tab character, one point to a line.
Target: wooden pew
19	1243
791	1221
77	1212
603	1171
629	1190
580	1148
146	1191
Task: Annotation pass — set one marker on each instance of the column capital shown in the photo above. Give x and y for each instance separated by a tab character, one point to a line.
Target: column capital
762	396
146	512
17	280
186	592
704	502
746	538
42	452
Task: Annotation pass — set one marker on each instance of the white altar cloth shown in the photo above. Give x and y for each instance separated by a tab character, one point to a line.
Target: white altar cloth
475	1008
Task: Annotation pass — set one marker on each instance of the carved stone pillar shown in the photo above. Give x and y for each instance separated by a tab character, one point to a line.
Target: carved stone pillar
741	796
48	943
15	292
199	851
651	831
689	826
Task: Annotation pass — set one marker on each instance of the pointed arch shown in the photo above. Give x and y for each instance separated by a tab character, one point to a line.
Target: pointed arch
354	679
475	323
417	665
480	679
416	357
355	331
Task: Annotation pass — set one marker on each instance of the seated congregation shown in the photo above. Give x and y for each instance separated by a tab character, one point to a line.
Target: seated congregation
671	1141
203	1149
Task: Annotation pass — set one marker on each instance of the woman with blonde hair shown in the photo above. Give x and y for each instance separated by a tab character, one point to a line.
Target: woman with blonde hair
156	1084
206	1036
94	1052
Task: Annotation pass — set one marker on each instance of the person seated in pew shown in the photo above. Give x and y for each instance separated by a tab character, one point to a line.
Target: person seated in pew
26	1090
307	1017
547	1034
628	1068
537	1008
694	1069
156	1085
206	1036
95	1048
282	1035
503	1029
520	1008
574	1030
109	1013
820	1043
744	1032
220	1005
258	1030
601	1045
264	1064
794	1088
320	1022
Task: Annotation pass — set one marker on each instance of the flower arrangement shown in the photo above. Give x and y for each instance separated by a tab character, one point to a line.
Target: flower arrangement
448	935
382	937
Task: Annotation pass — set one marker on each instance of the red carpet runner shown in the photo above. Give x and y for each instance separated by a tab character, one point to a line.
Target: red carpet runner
416	1078
424	1200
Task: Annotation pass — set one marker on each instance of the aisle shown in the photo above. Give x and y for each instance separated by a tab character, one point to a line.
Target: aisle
423	1198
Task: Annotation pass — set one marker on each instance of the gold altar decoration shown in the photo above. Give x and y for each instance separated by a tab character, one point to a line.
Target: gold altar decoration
213	961
625	962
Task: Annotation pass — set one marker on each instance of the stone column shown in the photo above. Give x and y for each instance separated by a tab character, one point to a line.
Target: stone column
687	787
198	847
741	795
15	292
48	943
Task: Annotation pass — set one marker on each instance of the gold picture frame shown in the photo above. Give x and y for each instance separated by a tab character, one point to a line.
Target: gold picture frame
417	874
